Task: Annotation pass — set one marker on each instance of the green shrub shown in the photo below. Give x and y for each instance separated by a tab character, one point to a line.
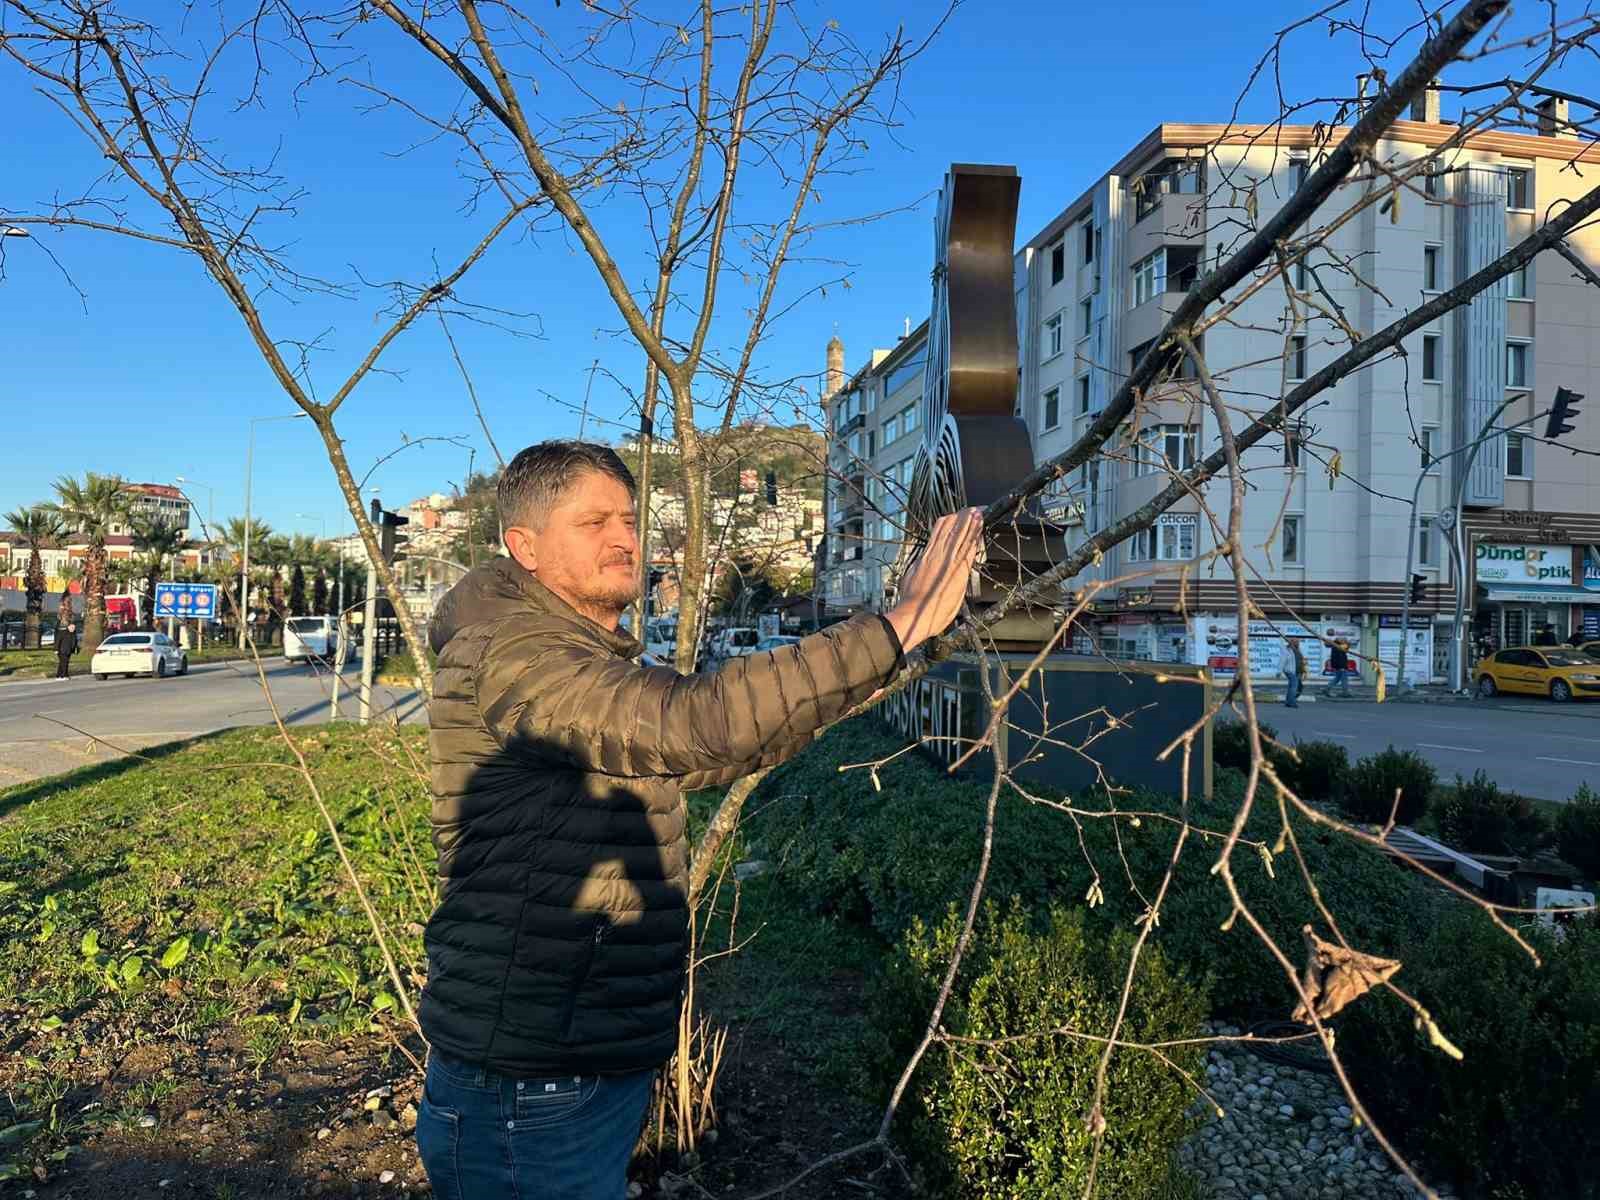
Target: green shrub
1230	744
886	858
988	1123
1477	815
1514	1117
1578	832
1320	774
1375	779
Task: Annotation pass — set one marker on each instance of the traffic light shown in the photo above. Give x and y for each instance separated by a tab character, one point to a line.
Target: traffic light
1562	411
390	542
772	488
1418	582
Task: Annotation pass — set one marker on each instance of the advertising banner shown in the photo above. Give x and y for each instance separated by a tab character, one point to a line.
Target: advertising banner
1524	566
1214	643
185	600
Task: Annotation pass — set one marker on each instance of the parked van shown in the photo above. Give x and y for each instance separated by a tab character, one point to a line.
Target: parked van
734	642
312	639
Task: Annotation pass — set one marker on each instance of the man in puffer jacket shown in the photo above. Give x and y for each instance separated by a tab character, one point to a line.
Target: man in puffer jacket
556	955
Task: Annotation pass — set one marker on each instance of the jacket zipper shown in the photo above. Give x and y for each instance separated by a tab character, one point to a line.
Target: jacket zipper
581	976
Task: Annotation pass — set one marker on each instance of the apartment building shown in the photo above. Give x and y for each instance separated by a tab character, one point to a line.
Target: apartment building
1097	284
874	432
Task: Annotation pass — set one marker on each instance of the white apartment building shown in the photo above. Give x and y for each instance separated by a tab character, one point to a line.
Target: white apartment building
874	432
1098	283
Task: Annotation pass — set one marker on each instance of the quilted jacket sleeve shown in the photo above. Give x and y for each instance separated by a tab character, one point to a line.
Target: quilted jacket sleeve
554	698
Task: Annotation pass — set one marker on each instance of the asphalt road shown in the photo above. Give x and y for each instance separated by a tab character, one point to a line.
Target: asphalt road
1532	747
48	726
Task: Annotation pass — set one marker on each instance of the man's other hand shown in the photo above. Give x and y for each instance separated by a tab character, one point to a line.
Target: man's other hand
932	591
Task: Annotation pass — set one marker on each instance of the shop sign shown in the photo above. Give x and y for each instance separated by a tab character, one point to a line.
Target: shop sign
1527	566
1214	643
1591	569
1542	525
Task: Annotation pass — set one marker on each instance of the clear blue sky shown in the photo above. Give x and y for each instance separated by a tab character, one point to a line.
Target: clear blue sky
152	376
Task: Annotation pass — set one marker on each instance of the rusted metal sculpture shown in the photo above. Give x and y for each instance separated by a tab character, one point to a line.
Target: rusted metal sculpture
975	447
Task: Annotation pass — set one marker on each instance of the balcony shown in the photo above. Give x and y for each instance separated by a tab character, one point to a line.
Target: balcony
851	425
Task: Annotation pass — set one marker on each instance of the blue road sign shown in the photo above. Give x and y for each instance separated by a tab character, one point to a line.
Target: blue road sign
186	600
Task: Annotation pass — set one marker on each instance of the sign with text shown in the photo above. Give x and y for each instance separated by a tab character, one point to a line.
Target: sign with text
1523	565
1214	643
186	601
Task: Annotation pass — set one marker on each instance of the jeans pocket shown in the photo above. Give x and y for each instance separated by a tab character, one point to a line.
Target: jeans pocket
544	1102
439	1147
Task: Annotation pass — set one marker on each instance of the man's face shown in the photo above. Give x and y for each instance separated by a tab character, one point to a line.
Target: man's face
588	551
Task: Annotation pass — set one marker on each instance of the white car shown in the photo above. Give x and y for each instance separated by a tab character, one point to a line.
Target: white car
661	640
153	654
773	642
733	643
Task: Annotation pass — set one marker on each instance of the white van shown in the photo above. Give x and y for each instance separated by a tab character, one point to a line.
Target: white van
734	642
312	639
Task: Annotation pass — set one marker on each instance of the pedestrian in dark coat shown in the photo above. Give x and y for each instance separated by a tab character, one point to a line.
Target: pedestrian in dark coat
66	647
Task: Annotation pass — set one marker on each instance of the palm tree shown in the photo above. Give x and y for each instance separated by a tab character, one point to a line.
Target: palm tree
36	524
159	541
89	508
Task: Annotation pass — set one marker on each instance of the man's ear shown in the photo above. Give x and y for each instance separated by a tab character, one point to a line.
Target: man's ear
519	544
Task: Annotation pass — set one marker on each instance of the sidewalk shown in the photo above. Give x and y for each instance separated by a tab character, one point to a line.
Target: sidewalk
1431	694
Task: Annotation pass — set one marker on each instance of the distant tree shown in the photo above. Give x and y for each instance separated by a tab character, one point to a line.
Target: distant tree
89	507
35	525
297	591
321	595
158	541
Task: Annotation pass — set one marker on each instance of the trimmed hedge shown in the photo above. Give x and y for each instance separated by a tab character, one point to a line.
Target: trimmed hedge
1477	815
1578	832
992	1123
886	859
1514	1118
1375	780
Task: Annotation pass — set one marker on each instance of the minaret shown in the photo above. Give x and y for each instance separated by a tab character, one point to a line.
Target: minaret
835	377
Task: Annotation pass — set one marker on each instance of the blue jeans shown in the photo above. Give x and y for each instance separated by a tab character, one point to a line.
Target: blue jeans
1341	681
1292	695
486	1136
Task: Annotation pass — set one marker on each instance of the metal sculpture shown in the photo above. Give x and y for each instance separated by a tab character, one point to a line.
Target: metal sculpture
975	447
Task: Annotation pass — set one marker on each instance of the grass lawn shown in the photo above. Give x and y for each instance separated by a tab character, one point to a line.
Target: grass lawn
189	990
41	664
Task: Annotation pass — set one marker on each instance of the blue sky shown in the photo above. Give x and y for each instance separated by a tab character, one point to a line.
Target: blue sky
151	375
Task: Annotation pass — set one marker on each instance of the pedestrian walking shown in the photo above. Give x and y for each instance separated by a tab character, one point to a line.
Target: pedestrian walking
1294	671
1339	662
557	953
66	647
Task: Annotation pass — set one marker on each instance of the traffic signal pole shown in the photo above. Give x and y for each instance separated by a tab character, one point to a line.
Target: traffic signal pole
369	629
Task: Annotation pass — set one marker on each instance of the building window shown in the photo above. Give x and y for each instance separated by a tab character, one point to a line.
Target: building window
1432	181
872	442
1052	408
1175	542
1149	276
1302	275
1428	441
1297	357
1058	263
1430	358
1430	268
1086	240
1516	457
1519	187
1293	438
1083	394
1165	447
1085	318
1517	283
1299	172
1425	542
1516	364
1291	542
891	429
1052	336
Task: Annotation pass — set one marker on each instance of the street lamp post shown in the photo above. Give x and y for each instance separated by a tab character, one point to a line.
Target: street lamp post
1458	553
211	536
244	565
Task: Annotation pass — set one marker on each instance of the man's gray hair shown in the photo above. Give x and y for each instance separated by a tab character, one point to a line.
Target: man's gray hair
535	480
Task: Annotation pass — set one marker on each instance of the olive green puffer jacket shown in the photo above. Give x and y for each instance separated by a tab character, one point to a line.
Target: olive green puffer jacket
558	766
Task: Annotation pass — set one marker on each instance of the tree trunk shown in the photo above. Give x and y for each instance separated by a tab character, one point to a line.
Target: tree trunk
691	575
34	583
94	598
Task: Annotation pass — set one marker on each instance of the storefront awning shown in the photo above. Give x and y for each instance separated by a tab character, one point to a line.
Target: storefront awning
1499	593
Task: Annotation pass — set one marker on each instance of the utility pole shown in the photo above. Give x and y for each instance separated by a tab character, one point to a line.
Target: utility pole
369	627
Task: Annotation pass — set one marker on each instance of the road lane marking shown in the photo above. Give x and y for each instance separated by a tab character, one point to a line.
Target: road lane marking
1577	762
1460	749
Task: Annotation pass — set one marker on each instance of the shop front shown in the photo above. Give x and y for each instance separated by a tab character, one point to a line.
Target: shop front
1526	595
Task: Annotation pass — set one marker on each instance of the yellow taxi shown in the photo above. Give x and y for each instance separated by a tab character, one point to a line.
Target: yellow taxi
1560	672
